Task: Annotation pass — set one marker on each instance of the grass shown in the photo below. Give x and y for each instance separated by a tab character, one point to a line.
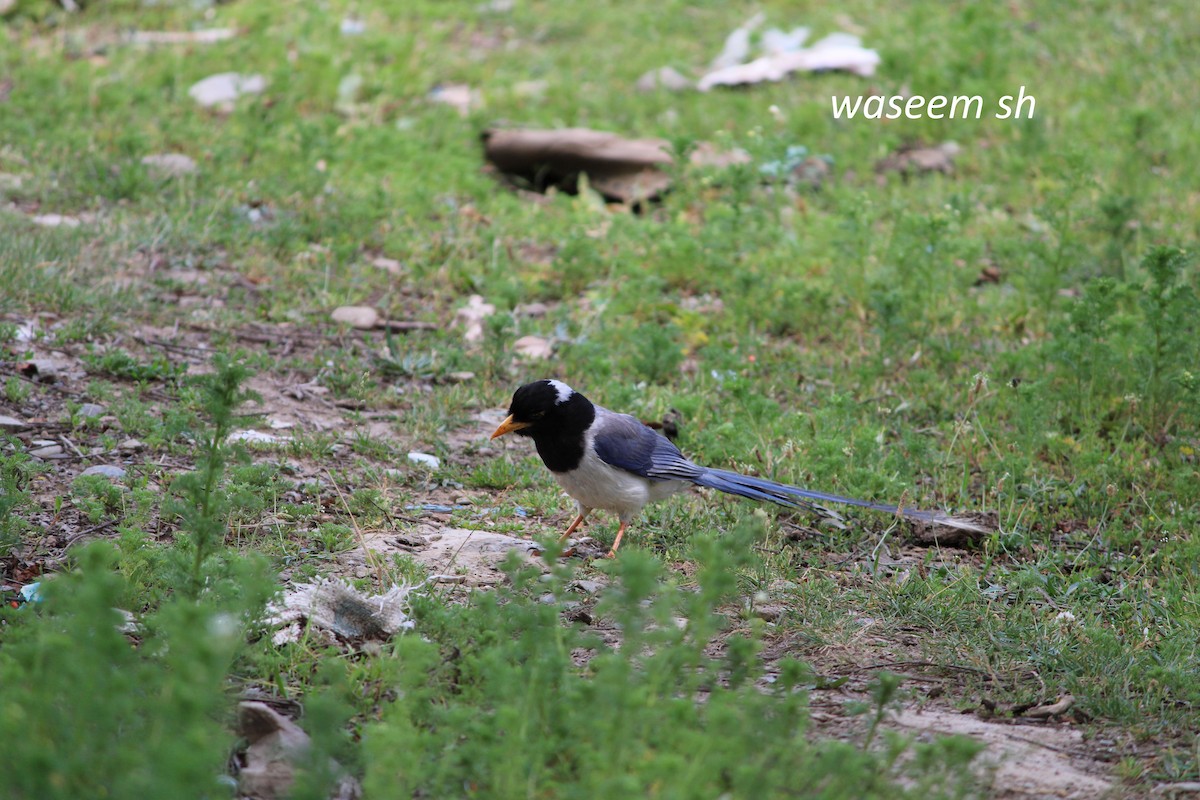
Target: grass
843	338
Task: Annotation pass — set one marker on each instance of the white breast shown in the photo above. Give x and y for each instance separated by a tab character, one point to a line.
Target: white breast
595	484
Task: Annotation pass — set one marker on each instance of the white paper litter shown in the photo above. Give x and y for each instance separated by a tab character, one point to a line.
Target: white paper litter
337	611
783	54
255	437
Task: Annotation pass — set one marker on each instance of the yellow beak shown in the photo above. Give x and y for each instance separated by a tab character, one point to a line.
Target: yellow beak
508	426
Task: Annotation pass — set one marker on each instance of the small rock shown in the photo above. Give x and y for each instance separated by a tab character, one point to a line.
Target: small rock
460	377
131	444
42	369
768	613
353	27
107	470
90	410
663	78
919	159
707	154
531	310
202	36
255	437
225	87
533	347
433	462
55	221
169	165
348	91
11	423
388	264
460	96
361	317
48	452
587	587
531	90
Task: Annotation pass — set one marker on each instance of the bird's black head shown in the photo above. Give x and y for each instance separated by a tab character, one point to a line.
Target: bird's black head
547	407
555	416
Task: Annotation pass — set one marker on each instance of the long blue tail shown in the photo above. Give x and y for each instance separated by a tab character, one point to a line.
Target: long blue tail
795	497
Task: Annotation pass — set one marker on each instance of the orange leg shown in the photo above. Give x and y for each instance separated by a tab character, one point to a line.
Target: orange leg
571	529
617	542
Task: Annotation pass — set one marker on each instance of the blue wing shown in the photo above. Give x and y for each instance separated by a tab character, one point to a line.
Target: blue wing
624	442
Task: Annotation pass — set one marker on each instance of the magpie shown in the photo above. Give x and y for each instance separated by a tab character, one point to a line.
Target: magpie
613	462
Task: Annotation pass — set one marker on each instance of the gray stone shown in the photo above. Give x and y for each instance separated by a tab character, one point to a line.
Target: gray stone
90	410
169	165
107	470
361	317
48	452
225	87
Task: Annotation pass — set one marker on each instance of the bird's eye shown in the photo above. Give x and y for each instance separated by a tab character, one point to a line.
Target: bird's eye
538	414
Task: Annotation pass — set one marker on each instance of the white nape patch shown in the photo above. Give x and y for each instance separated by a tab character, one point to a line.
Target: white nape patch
564	392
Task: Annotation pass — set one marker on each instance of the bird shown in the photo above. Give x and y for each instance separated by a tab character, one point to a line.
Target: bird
614	462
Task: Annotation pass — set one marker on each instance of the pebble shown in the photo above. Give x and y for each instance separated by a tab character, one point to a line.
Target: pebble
169	165
533	347
48	452
225	87
663	78
433	462
361	317
10	422
55	221
255	437
131	444
90	410
107	470
389	264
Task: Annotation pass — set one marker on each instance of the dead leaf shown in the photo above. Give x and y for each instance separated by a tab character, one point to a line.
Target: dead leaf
989	274
1048	710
